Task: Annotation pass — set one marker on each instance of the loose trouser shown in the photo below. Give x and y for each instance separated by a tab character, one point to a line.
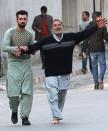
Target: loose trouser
56	89
25	104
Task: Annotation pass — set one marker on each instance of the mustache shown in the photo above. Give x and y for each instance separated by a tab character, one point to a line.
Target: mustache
22	23
58	28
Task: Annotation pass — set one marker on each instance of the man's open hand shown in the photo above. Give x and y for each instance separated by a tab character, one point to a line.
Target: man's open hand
101	22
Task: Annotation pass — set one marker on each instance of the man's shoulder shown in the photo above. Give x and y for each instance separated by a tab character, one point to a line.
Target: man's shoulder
91	24
37	16
29	32
46	38
11	30
49	16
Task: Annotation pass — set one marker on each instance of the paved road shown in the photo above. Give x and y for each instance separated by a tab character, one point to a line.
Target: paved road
85	110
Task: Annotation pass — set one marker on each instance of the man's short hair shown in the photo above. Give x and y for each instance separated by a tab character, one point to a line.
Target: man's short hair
86	13
57	20
21	12
44	9
96	14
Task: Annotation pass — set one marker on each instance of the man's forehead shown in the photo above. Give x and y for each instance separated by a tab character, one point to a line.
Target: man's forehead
57	22
22	16
83	14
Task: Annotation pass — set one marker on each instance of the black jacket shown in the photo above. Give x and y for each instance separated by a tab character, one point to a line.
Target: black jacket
96	42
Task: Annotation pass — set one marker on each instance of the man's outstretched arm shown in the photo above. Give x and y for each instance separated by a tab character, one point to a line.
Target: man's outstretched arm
79	36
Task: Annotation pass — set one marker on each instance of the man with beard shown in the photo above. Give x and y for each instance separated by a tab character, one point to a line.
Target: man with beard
19	74
58	50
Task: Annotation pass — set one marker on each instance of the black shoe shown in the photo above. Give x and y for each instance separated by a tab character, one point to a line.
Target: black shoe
14	117
96	86
25	121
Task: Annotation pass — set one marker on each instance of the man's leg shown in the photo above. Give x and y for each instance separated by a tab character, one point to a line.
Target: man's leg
64	85
42	59
90	65
102	63
52	94
61	101
84	65
14	103
61	98
94	62
25	108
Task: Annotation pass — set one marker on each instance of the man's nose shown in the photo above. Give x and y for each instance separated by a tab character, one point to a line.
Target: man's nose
23	20
58	26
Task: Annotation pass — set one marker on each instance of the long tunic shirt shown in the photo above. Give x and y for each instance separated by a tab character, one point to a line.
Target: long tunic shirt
19	75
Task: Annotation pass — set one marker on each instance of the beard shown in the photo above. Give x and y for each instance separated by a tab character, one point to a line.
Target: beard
22	25
58	32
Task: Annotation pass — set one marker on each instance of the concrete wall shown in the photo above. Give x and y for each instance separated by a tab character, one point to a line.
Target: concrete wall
72	11
8	10
105	9
69	17
68	10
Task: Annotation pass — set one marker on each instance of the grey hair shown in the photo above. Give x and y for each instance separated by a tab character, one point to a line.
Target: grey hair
58	20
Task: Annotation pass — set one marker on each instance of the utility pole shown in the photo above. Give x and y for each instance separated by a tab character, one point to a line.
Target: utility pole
94	8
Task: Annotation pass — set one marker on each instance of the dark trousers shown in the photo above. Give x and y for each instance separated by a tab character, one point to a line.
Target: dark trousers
84	64
90	65
42	59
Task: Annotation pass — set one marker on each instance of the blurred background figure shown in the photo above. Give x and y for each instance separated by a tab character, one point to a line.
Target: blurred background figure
42	25
96	46
84	52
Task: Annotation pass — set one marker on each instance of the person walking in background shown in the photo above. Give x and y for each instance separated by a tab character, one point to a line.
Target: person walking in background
58	49
42	25
19	74
84	53
96	46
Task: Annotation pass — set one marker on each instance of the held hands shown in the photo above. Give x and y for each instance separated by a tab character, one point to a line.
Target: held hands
24	48
17	51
